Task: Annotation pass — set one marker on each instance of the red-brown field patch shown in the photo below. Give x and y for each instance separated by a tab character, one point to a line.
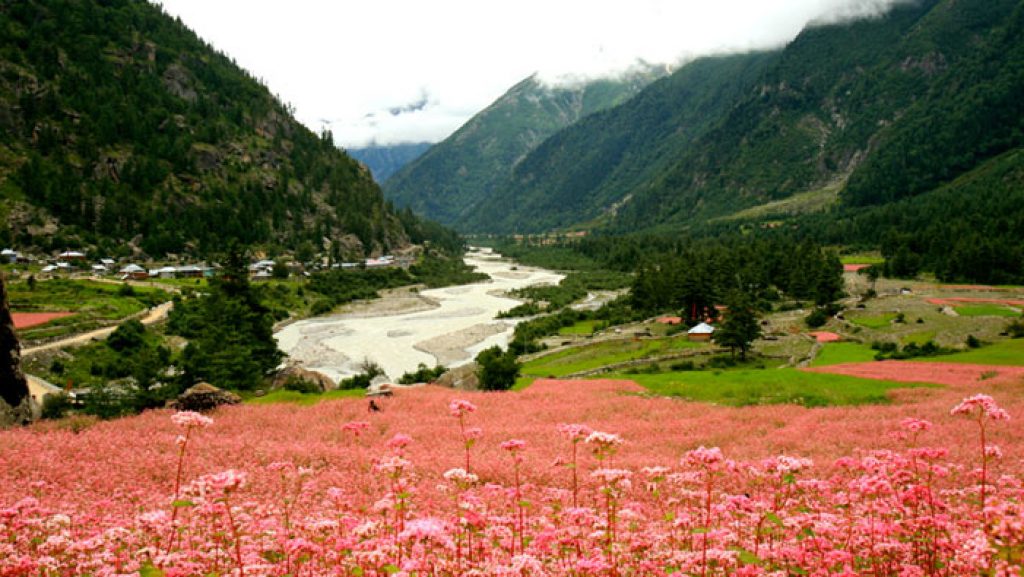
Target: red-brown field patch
26	320
825	336
854	267
952	374
953	301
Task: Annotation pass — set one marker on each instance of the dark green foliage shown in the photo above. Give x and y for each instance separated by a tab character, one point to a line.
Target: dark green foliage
362	380
498	369
126	290
298	384
817	318
128	336
1015	329
741	325
422	374
910	351
280	270
134	126
973	342
55	406
230	332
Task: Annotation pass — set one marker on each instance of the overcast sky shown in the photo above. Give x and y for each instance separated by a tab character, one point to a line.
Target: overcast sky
414	70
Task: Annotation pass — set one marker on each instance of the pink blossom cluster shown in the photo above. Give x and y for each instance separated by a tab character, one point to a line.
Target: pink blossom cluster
285	491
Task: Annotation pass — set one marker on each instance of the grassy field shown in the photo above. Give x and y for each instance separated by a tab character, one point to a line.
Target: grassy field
862	258
879	321
768	387
918	338
601	354
295	397
581	328
985	310
838	353
95	304
1008	352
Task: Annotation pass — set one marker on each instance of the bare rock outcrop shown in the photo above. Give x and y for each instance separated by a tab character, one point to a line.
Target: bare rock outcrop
15	402
322	381
204	397
463	378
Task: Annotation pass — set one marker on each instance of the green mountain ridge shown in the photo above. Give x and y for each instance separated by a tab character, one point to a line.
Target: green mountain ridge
124	132
452	177
851	114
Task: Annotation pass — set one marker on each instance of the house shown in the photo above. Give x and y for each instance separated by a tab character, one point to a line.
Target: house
107	262
9	255
70	255
262	275
191	271
164	272
134	272
669	320
700	332
49	268
99	269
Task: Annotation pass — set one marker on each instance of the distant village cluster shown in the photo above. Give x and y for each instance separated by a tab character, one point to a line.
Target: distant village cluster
72	262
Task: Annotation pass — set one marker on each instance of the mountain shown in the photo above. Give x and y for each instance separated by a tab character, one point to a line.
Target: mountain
124	132
585	171
455	175
383	161
852	114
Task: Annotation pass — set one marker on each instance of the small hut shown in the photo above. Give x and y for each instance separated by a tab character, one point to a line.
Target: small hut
701	332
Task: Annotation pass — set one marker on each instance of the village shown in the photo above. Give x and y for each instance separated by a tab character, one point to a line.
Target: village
78	264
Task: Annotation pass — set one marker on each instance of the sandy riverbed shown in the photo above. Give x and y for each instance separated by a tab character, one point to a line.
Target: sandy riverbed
446	326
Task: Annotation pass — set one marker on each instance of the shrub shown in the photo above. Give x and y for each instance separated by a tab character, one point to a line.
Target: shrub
55	406
298	384
973	342
817	318
498	370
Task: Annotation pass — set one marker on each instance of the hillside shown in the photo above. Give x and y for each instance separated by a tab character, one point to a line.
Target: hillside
852	114
123	131
383	161
580	173
455	175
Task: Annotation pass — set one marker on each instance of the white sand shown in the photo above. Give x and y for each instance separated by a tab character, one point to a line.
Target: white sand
452	333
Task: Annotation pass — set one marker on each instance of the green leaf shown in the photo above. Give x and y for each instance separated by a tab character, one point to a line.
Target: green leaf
148	570
774	519
390	569
747	558
183	503
699	530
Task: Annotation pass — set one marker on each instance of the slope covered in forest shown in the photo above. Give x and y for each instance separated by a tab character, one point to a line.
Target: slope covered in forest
125	132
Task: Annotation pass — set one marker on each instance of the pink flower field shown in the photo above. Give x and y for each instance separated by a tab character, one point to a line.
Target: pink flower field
578	478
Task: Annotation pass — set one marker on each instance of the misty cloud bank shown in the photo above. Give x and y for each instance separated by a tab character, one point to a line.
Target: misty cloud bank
396	71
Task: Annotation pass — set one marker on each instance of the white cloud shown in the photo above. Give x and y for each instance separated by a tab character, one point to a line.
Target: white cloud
350	62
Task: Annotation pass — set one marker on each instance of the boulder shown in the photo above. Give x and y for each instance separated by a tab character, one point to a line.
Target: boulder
462	378
204	397
322	381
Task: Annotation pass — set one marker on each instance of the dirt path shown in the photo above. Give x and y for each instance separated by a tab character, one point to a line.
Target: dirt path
155	314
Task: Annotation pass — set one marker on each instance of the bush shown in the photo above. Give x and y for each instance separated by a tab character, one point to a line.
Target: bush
130	335
817	318
298	384
498	369
1015	329
973	342
422	374
55	406
682	366
126	290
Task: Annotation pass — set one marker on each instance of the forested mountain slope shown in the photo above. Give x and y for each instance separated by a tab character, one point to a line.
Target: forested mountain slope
454	176
121	130
851	114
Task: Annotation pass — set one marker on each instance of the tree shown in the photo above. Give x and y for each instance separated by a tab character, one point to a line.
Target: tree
498	369
740	327
14	397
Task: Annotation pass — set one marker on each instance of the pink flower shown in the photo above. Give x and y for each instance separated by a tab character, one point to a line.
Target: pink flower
399	441
604	439
355	427
474	433
513	445
189	419
985	403
225	480
575	432
704	456
915	425
459	407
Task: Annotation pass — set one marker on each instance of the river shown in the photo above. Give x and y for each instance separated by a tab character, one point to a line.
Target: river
449	325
